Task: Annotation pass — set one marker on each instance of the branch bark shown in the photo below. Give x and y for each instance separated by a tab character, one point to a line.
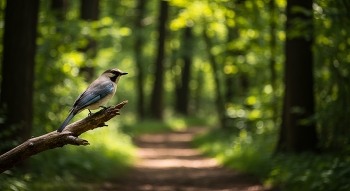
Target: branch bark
54	139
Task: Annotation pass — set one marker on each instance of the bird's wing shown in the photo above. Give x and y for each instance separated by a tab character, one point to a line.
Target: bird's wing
92	94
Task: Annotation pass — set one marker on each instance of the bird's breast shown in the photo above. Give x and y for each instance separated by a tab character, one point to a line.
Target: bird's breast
102	101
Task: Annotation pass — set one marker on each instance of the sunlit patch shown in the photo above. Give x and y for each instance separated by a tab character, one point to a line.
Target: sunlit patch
254	188
268	89
173	163
125	31
155	154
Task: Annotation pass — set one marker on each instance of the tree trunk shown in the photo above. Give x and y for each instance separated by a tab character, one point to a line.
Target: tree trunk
183	90
16	98
158	88
139	44
89	11
272	63
297	133
198	91
230	76
59	7
219	99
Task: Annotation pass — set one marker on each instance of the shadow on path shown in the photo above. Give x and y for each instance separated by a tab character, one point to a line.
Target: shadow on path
167	162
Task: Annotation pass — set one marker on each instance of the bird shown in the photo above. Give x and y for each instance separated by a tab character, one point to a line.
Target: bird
96	95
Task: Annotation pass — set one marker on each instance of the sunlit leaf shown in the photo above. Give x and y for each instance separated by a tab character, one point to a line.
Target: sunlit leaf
230	69
125	31
106	21
268	89
251	100
255	114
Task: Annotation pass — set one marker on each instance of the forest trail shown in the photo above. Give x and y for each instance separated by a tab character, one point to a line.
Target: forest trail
167	162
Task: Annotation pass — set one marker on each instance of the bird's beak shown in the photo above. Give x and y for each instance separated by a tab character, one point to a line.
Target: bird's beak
124	73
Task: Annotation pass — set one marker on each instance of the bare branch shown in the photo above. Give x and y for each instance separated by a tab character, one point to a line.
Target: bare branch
54	139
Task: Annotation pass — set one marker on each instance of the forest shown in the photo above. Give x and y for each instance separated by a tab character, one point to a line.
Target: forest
269	79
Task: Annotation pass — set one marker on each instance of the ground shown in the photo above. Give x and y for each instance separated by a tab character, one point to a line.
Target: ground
168	162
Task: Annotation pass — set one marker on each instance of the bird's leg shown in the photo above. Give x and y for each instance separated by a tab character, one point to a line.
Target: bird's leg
104	108
90	113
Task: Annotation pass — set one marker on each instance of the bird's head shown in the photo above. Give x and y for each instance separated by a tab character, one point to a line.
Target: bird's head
114	74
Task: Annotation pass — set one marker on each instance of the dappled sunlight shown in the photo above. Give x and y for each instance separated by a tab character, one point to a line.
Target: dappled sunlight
167	163
184	137
151	153
154	152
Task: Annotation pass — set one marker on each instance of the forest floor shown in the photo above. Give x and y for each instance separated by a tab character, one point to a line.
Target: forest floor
167	162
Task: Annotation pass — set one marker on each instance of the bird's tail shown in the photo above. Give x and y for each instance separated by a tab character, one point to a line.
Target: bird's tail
65	123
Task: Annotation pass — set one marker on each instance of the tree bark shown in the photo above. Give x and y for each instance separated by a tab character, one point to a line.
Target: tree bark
182	87
297	133
16	98
158	88
272	63
89	11
59	7
273	50
139	44
54	139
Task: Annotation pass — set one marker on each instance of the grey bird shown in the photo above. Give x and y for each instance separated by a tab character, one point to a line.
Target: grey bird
96	95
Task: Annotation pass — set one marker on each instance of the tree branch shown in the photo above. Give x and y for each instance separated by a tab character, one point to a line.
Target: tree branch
54	139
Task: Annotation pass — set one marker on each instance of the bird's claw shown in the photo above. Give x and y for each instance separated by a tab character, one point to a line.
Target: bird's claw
90	113
104	108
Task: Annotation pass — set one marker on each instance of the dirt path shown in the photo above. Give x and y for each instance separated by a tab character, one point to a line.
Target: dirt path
169	163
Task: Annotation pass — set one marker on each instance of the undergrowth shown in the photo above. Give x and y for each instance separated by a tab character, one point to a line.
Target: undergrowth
109	154
253	153
242	151
312	172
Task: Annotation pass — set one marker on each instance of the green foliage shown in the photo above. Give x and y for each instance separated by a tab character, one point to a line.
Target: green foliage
332	45
253	153
10	181
310	172
242	151
16	181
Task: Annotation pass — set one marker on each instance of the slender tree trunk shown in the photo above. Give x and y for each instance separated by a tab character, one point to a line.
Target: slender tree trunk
231	55
198	91
158	88
183	86
59	7
273	51
219	97
89	11
230	84
139	44
297	133
16	97
230	76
